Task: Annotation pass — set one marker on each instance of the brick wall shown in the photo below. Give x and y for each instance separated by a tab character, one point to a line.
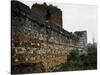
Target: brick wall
53	13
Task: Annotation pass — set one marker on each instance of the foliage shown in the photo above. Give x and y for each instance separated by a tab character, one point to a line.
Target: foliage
77	62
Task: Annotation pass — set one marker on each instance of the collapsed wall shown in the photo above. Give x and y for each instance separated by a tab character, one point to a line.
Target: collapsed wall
38	41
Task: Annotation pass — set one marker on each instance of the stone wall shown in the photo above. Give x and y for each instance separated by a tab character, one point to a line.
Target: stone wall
49	13
82	43
36	40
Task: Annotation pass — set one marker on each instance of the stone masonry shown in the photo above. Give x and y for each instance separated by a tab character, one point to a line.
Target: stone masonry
38	37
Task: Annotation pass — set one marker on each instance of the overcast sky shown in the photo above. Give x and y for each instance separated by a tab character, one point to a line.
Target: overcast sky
77	17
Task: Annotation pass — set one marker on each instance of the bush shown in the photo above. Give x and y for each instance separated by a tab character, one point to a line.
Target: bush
77	62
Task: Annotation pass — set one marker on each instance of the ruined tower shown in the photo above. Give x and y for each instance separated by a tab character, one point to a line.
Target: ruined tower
82	42
48	13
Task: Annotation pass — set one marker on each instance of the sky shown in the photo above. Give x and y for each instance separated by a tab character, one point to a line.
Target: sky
77	17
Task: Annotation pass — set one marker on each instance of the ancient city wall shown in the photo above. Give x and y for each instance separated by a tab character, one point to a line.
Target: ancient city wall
35	40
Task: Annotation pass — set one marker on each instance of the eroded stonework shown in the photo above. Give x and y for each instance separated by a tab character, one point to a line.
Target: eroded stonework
39	41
